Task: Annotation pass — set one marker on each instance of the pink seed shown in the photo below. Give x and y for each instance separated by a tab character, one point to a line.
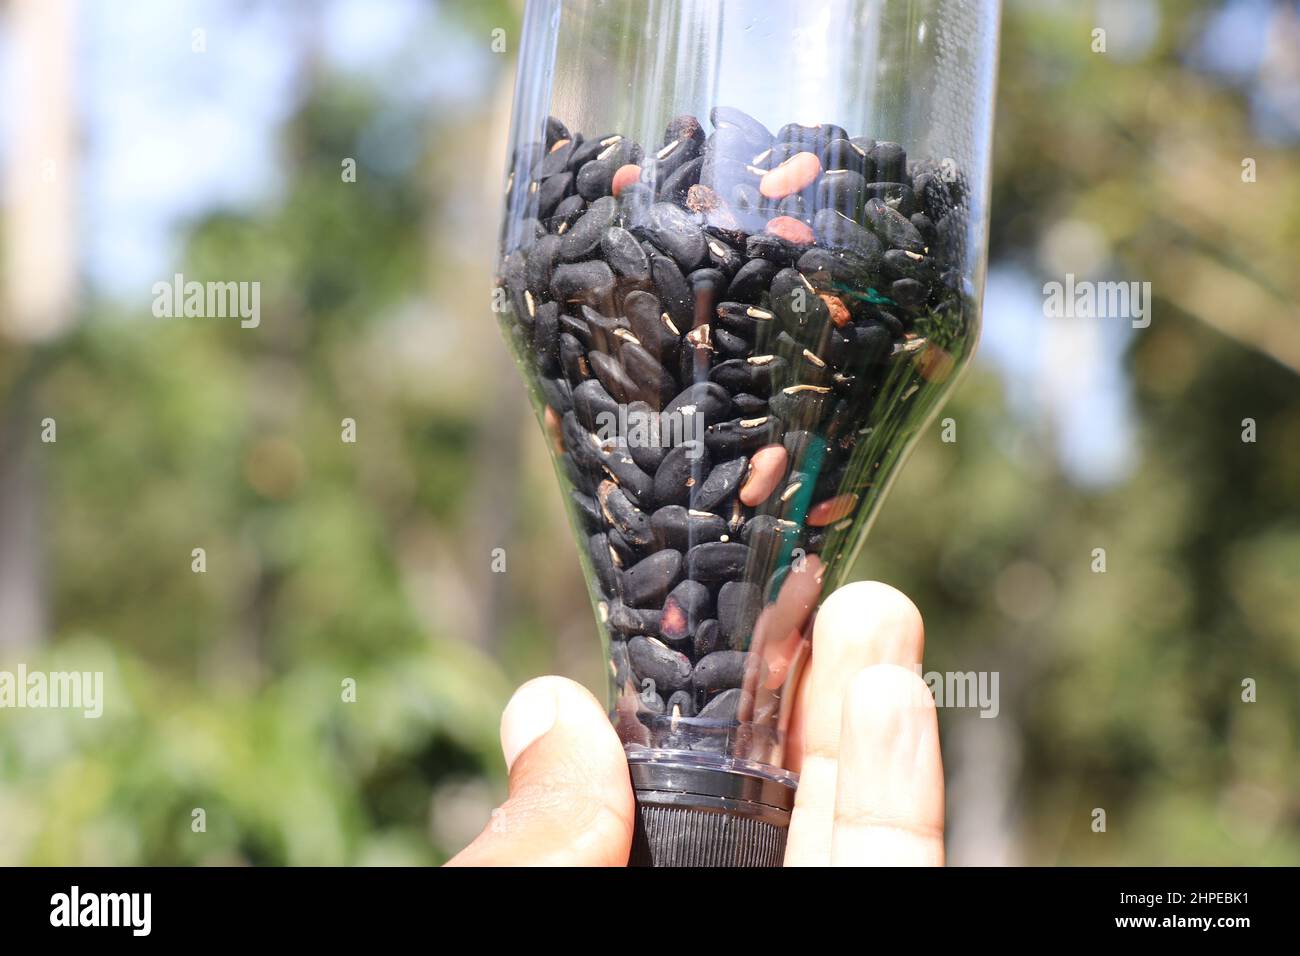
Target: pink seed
766	469
625	176
794	175
831	510
791	230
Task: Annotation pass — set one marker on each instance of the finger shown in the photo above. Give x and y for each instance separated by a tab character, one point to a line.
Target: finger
889	798
777	646
570	801
859	625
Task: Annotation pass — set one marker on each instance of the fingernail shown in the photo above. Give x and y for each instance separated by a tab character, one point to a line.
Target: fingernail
529	715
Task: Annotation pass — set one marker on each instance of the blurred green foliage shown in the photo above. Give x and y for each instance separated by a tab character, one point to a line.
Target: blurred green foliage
329	561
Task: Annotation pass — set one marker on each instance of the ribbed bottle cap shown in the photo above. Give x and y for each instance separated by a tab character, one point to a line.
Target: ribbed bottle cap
690	814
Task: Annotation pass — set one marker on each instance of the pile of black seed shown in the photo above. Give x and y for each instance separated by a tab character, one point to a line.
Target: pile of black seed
752	293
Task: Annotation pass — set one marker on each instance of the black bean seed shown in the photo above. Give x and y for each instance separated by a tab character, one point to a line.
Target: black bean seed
893	228
625	517
738	605
728	345
723	257
654	660
795	300
624	254
636	484
872	343
774	249
595	179
723	708
683	468
912	265
673	156
551	192
540	265
580	443
680	704
723	482
745	320
888	162
650	704
840	232
648	582
546	338
587	511
631	621
555	131
676	233
634	204
685	608
573	359
557	159
645	317
909	293
613	376
801	406
674	293
707	639
720	670
587	282
723	117
622	551
603	329
753	375
715	563
844	191
601	562
651	382
749	406
681	529
896	196
582	239
567	213
706	399
673	187
751	281
593	404
828	267
740	437
619	663
589	149
925	226
844	154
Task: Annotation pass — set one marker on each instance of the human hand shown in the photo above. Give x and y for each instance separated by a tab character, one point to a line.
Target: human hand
864	738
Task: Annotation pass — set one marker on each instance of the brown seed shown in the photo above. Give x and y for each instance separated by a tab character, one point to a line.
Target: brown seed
839	311
766	469
559	144
700	198
625	176
831	510
935	364
791	230
794	175
553	428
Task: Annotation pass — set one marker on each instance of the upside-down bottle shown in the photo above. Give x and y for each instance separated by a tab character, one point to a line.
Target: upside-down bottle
741	265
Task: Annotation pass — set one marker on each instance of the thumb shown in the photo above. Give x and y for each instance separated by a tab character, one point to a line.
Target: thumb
570	801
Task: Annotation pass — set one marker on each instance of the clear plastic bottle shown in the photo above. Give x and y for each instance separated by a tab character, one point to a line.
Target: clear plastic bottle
741	265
